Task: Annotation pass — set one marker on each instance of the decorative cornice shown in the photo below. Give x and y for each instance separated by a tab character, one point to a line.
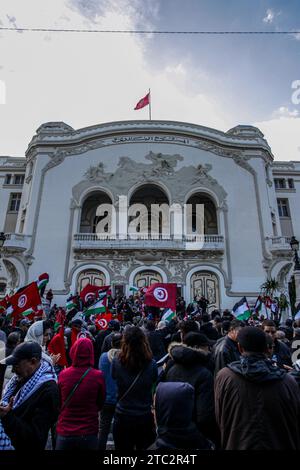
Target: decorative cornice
51	134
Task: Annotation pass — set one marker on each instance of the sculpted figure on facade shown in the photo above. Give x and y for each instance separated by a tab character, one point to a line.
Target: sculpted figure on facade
97	174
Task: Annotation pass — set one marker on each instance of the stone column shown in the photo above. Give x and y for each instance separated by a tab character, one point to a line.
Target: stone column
297	286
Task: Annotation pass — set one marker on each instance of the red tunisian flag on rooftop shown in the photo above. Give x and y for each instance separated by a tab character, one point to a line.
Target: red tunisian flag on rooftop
143	102
26	301
161	295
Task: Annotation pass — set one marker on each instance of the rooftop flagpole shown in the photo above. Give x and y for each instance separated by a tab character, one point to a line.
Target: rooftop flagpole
149	104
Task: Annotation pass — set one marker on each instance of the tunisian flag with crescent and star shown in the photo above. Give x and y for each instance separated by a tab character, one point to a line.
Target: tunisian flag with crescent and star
26	301
161	295
91	292
143	102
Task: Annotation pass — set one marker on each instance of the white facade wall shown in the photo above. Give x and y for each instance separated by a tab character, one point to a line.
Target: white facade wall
235	169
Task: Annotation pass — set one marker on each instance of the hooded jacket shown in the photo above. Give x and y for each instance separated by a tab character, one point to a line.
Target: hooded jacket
257	406
80	416
174	408
57	346
192	366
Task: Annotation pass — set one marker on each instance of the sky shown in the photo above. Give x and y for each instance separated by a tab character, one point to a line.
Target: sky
87	79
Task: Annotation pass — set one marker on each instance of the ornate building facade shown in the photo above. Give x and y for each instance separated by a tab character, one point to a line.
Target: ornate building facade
49	201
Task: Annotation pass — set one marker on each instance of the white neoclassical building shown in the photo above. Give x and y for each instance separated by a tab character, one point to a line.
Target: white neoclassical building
49	201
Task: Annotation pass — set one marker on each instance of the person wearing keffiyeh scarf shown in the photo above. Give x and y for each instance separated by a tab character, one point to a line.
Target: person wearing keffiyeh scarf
28	402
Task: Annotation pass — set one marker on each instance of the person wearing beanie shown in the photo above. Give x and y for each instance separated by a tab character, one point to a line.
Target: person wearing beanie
257	404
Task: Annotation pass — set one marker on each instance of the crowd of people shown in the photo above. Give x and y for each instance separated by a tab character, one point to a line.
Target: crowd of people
200	381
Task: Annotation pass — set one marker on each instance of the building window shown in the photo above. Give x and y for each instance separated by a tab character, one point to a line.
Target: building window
280	183
7	179
19	179
15	200
283	208
291	183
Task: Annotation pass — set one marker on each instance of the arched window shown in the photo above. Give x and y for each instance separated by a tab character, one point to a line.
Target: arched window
210	214
90	276
89	219
155	222
146	278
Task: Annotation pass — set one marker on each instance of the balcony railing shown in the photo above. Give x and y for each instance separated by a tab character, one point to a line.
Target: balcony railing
16	241
150	241
279	243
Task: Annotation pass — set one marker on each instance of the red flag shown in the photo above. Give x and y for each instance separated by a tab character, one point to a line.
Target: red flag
26	301
74	335
161	295
101	321
143	102
91	292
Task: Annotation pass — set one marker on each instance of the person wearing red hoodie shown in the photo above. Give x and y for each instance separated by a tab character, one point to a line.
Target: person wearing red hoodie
77	426
57	348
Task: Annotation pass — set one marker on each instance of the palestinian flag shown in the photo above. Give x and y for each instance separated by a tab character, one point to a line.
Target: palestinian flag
59	320
134	289
70	305
258	305
168	314
42	281
241	310
99	306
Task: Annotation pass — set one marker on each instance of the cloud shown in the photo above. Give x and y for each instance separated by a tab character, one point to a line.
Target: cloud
85	79
284	111
139	12
270	16
282	133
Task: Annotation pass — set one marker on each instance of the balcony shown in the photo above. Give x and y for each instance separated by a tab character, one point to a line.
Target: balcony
85	241
279	244
16	242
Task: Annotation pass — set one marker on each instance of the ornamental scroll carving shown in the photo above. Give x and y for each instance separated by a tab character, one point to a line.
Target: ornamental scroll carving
163	168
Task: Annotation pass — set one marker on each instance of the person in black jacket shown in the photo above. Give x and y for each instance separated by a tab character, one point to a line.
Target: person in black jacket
114	326
174	410
135	373
226	349
192	365
281	352
257	403
30	403
157	337
208	329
